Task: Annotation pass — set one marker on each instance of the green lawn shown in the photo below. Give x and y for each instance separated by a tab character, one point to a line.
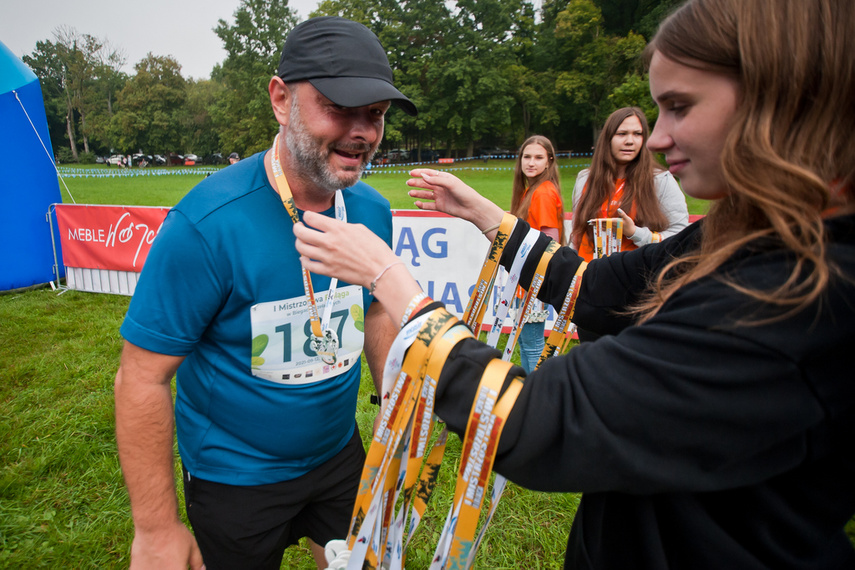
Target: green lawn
492	179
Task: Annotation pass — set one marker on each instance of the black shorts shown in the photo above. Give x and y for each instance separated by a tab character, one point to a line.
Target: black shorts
250	527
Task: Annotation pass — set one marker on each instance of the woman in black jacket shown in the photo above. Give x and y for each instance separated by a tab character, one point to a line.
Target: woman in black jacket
714	426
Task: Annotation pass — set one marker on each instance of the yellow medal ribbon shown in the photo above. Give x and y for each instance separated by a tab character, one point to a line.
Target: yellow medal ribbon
555	341
287	198
477	305
530	297
381	465
487	418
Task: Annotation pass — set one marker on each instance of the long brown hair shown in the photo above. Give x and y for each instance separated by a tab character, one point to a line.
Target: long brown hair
520	199
790	154
638	189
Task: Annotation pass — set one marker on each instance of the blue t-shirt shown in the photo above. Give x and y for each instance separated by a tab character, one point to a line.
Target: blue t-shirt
223	286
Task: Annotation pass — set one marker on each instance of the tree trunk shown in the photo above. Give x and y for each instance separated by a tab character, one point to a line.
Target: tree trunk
69	125
83	130
526	117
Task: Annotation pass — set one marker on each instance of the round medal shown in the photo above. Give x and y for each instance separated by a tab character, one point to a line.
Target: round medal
326	346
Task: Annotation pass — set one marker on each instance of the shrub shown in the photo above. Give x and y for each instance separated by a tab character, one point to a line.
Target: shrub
64	156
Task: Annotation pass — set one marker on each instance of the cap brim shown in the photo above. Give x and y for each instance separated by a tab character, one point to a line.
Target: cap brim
361	91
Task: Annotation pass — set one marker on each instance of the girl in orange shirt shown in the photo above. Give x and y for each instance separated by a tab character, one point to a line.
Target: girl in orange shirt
537	199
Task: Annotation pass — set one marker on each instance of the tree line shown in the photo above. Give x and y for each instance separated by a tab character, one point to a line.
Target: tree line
483	73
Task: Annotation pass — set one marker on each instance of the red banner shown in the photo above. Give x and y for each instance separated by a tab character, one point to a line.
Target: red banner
107	237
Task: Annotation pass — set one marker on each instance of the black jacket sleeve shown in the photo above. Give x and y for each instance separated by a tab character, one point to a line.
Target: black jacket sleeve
609	286
692	400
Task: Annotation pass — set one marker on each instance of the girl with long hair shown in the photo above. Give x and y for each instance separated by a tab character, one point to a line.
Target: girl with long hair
536	194
625	181
713	427
537	200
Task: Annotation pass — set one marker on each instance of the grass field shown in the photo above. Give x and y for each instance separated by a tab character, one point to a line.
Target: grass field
492	179
62	498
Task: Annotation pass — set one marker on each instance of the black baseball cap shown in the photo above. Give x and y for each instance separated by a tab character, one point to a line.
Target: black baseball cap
343	60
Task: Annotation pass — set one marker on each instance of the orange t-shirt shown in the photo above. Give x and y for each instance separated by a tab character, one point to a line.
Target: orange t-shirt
546	209
608	210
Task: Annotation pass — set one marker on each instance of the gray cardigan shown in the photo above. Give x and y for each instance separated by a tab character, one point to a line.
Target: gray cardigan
670	198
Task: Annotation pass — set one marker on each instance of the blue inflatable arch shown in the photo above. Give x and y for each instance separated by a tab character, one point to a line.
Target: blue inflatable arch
28	178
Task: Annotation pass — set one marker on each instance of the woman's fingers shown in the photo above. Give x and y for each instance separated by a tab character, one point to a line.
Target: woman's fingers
425	205
422	194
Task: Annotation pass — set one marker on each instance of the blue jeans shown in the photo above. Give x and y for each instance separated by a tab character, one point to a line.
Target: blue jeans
531	345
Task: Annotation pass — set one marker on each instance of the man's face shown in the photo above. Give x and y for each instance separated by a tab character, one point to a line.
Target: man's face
330	145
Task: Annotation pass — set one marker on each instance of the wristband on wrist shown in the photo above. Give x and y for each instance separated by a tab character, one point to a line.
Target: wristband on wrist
490	229
373	284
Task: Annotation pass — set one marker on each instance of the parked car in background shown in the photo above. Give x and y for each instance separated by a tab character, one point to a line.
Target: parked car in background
100	160
175	159
191	159
214	159
140	159
496	153
116	159
398	154
428	155
159	160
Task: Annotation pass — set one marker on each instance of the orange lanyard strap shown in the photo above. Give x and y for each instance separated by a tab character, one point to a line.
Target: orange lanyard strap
487	418
564	316
416	497
500	482
284	190
506	297
392	486
385	456
530	297
614	200
474	313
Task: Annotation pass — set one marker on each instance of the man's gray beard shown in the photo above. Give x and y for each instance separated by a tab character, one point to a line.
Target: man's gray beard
312	157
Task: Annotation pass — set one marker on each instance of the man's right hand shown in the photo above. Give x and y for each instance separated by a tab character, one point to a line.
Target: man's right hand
173	548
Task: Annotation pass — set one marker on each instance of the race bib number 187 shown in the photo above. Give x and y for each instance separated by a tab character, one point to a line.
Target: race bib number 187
282	334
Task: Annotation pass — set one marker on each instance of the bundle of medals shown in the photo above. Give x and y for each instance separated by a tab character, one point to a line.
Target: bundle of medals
608	233
400	470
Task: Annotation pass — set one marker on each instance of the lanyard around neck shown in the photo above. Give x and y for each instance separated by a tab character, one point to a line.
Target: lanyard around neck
320	330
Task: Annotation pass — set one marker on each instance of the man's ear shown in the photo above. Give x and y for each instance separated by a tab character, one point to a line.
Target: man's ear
280	99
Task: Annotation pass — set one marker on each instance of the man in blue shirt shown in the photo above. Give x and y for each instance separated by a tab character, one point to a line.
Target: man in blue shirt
267	356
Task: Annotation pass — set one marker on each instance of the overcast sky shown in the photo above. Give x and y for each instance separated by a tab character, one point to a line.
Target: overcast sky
182	29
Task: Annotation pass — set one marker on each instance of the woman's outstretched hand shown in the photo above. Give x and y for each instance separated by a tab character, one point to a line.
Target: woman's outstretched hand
446	193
